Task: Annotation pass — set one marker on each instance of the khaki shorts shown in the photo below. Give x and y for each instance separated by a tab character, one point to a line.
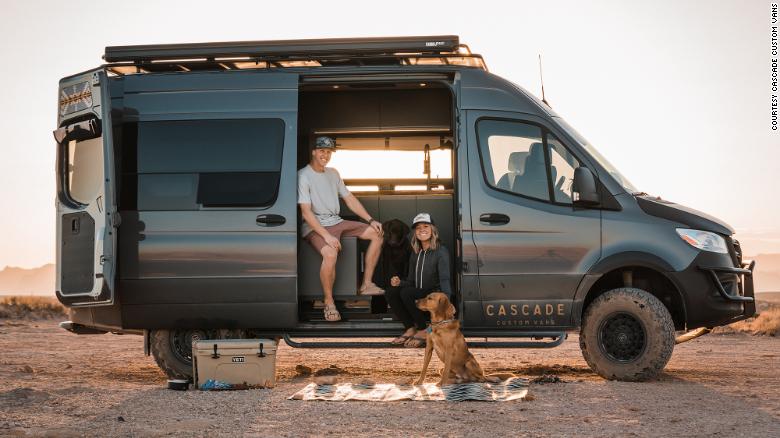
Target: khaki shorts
343	228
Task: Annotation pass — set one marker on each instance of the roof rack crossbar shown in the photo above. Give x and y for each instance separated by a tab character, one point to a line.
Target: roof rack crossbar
286	48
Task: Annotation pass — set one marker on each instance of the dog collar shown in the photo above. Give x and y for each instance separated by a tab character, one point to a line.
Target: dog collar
444	321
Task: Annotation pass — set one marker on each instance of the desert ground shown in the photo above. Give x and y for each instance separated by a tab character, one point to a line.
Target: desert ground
54	383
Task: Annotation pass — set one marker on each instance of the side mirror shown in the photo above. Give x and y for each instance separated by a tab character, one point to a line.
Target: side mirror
584	188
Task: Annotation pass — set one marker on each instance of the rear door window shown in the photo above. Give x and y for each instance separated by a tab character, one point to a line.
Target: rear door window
85	169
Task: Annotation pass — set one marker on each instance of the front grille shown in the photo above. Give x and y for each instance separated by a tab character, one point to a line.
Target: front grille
730	284
738	252
734	251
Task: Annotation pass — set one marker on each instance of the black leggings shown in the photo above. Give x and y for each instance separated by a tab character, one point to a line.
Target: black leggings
401	300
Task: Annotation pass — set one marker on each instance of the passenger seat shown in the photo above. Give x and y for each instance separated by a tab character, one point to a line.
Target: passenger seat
516	166
533	181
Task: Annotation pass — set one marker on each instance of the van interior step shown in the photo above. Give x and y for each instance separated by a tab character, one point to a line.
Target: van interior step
355	309
554	339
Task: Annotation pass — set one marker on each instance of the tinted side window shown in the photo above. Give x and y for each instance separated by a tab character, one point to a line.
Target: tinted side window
190	164
248	145
513	157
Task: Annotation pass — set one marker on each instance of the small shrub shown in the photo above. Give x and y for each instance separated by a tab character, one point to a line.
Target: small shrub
767	323
31	307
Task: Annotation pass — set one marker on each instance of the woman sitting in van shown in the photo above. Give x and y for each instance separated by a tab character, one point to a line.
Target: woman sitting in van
429	271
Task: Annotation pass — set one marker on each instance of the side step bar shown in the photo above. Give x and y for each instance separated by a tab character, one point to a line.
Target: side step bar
80	329
693	334
556	339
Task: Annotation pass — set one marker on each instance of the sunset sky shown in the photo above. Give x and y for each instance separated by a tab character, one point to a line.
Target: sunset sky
675	93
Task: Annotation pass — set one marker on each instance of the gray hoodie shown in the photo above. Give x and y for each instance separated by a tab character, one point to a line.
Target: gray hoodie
430	270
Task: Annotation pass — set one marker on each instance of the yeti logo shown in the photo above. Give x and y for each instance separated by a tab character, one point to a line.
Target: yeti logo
238	359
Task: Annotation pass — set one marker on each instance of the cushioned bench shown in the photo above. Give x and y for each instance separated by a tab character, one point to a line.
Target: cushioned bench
347	270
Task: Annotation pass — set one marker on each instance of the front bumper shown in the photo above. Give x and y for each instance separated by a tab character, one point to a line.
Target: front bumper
715	291
744	287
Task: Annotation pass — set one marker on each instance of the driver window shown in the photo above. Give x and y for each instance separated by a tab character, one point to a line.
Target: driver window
513	157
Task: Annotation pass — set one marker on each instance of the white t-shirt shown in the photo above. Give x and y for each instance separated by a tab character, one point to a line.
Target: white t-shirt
322	191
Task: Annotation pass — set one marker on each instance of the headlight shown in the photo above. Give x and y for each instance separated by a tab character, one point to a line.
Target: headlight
703	240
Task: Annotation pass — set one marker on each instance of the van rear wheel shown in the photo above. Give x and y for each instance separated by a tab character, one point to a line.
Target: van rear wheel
627	334
172	349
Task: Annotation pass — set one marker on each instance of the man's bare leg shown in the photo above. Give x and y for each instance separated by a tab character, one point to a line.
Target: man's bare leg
328	273
372	254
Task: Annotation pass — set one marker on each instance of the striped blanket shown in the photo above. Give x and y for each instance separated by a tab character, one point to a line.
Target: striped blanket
508	390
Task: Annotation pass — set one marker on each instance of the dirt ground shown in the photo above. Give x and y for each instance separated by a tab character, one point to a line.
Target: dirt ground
54	383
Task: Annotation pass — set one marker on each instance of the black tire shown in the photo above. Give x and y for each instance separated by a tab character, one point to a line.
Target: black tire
627	334
172	350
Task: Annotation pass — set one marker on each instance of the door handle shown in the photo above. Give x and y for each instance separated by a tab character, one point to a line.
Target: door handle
270	220
494	218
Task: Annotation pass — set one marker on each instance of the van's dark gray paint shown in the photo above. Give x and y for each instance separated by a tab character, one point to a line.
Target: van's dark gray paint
219	269
212	268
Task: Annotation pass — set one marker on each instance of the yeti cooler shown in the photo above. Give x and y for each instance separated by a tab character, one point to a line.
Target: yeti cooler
234	363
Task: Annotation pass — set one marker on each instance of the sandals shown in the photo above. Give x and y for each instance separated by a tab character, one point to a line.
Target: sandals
371	290
331	313
401	340
416	341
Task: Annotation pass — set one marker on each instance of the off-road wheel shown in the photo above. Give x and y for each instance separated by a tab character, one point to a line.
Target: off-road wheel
627	334
172	349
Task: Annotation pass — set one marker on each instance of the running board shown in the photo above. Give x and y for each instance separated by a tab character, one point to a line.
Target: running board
693	334
81	329
556	339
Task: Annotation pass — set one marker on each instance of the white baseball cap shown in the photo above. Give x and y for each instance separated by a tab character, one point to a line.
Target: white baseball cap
422	218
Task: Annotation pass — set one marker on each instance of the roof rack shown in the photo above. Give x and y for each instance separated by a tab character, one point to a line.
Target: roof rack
420	50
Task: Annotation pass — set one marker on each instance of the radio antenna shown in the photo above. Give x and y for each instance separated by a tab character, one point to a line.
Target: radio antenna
541	79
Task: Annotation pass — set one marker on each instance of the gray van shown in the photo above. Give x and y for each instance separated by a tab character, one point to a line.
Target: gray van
177	216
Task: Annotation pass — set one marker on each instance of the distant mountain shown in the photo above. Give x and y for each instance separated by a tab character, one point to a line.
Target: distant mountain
767	273
21	281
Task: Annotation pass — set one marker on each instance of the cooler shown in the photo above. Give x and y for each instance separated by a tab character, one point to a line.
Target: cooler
234	363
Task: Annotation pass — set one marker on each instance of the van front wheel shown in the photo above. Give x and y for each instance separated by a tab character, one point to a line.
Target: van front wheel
627	334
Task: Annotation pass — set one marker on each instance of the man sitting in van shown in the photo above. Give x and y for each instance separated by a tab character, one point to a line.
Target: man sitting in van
319	188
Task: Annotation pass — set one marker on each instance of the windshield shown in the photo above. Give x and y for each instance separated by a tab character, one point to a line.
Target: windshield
622	180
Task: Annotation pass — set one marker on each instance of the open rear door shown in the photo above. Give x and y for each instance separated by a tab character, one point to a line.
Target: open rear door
86	206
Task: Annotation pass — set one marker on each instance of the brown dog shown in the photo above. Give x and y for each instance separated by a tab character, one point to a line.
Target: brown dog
445	337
